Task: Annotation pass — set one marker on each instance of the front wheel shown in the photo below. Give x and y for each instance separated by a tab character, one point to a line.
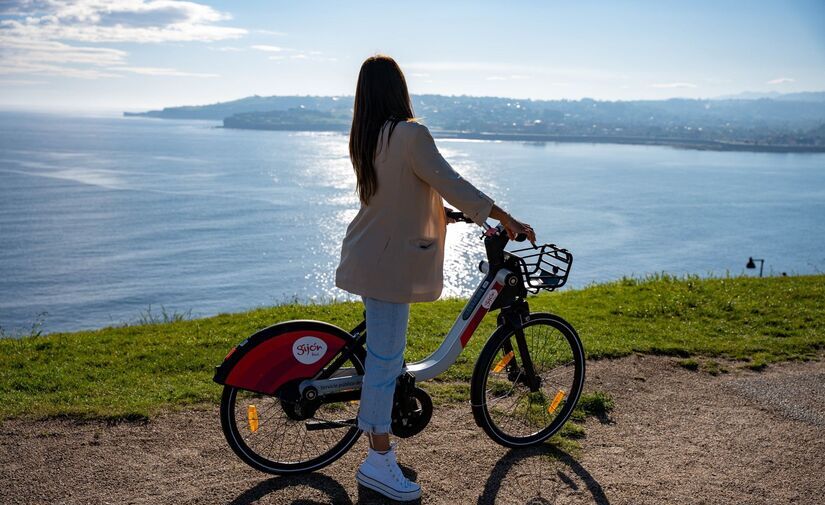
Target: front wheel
517	406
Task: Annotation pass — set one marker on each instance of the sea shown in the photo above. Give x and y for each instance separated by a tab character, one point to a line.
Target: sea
108	220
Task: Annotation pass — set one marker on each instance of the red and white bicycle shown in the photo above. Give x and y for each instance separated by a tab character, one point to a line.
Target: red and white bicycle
289	402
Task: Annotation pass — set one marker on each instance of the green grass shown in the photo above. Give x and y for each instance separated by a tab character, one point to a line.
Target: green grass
714	368
593	403
137	371
596	403
689	364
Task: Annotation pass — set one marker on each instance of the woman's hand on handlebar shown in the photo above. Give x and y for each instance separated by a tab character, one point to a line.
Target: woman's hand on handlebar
513	226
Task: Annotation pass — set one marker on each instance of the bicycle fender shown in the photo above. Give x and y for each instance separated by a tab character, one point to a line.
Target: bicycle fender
280	353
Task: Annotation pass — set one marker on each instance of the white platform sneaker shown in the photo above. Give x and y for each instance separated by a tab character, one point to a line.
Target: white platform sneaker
380	472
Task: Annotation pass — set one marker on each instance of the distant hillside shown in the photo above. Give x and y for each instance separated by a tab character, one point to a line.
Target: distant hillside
294	119
255	103
787	122
805	96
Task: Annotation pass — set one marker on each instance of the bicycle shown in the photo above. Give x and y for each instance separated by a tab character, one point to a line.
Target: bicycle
290	395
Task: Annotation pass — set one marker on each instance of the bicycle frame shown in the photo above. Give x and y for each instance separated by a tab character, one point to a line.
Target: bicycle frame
445	355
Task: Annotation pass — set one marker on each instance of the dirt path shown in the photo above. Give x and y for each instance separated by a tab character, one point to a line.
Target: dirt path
675	437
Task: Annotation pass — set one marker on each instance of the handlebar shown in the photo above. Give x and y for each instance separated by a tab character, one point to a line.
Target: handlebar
539	267
459	217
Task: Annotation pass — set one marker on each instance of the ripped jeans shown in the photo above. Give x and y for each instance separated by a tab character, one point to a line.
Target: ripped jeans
386	340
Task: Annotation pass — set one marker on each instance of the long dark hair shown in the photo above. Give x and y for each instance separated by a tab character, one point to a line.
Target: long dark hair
381	95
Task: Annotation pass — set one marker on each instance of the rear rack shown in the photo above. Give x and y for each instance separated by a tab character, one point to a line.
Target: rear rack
543	267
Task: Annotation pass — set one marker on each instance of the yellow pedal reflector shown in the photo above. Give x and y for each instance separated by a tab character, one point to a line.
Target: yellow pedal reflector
252	416
556	400
503	362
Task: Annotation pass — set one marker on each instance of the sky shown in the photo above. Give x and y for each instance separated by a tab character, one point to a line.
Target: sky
141	54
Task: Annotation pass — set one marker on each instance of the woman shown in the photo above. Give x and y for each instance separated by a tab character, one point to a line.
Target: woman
393	251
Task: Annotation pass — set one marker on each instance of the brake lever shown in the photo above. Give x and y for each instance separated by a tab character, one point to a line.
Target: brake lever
489	231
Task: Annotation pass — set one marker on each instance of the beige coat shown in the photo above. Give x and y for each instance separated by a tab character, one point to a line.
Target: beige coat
394	247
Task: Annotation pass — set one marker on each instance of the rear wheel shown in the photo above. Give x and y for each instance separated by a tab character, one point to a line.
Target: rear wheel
513	410
282	434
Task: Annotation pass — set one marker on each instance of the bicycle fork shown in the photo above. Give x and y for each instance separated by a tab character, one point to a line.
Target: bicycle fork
526	373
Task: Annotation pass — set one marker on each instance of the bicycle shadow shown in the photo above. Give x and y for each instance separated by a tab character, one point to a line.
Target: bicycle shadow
323	483
332	488
540	477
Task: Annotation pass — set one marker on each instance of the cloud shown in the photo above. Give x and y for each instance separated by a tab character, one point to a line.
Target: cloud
140	21
486	68
163	71
672	85
781	80
10	68
37	36
442	66
19	82
270	32
48	57
227	49
57	52
271	49
513	77
292	54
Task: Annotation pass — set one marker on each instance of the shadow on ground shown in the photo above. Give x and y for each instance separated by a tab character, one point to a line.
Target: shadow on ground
533	476
537	476
319	481
327	485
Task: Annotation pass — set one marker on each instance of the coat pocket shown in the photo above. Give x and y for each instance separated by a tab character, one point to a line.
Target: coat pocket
423	243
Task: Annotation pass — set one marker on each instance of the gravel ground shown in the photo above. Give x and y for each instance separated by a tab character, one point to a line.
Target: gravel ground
675	436
800	396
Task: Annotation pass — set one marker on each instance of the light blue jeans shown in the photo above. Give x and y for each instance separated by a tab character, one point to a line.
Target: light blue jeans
386	340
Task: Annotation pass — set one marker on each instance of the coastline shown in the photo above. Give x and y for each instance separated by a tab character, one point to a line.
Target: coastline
695	144
709	145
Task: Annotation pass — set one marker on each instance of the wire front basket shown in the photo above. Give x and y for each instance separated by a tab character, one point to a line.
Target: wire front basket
543	267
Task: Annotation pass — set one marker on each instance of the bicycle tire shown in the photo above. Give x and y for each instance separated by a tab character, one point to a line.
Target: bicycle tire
566	360
259	451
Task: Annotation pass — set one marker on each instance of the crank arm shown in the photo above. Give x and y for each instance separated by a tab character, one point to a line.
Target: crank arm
316	424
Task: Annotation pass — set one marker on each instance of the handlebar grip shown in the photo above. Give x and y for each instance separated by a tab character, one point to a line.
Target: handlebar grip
521	237
458	216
